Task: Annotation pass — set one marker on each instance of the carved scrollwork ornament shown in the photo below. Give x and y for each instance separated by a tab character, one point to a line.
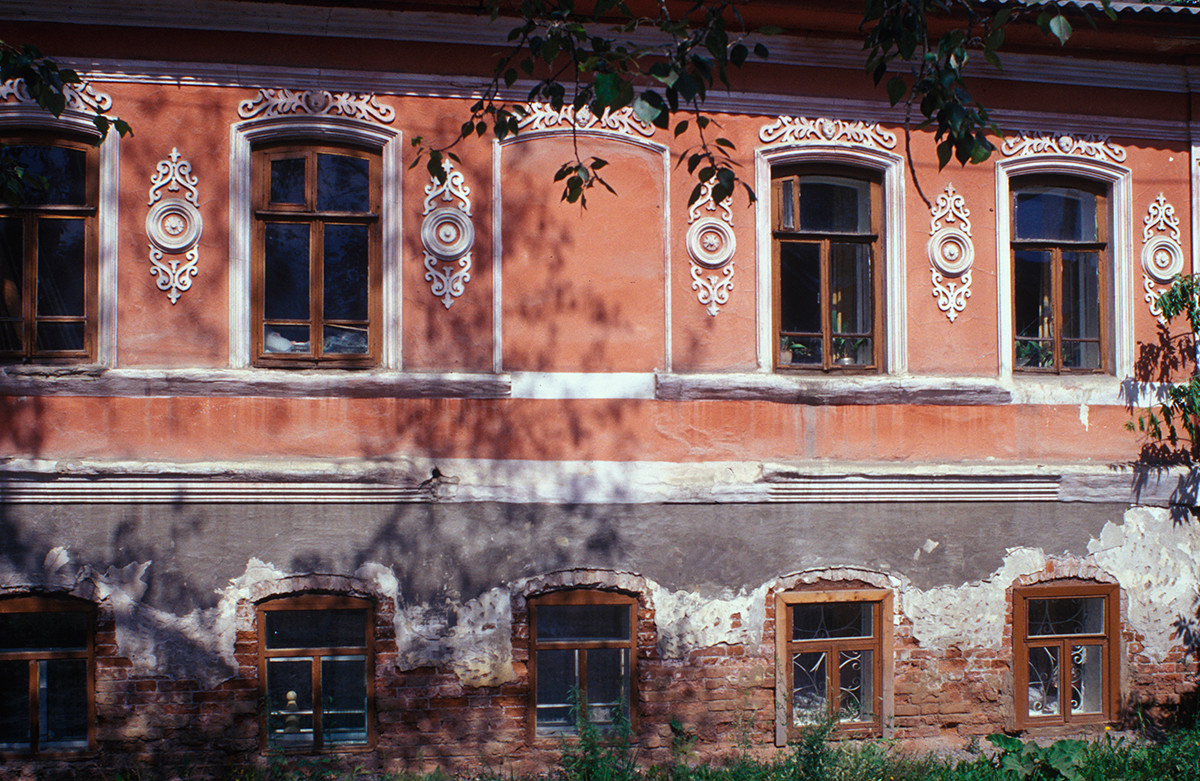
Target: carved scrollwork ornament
174	226
711	244
951	252
448	235
1162	255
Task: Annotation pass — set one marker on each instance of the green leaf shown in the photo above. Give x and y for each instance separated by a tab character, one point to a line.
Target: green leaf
1060	28
897	88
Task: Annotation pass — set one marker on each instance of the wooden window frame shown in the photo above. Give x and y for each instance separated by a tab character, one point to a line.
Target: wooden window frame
880	643
582	596
874	240
1056	248
316	602
43	604
264	211
30	215
1109	641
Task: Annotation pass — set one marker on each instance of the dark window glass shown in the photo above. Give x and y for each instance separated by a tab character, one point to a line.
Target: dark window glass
287	180
583	622
1066	616
342	184
346	266
61	268
344	687
64	703
555	686
833	206
14	704
1055	214
53	175
286	273
290	702
316	629
44	631
823	620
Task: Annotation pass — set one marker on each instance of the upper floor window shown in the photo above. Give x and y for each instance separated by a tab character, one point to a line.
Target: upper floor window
1065	643
46	675
317	282
827	276
316	666
832	652
1059	276
48	253
582	653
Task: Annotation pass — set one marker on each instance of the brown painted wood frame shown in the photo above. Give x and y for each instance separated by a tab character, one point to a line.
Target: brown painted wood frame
874	240
582	596
317	602
30	215
307	214
46	604
1056	249
1109	642
880	642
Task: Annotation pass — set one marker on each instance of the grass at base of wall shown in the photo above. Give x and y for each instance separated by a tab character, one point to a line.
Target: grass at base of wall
1174	757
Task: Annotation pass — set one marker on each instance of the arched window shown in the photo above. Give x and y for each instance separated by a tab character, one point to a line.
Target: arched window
47	675
49	296
316	667
582	651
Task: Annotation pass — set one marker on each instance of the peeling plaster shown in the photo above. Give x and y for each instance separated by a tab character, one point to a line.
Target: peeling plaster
686	620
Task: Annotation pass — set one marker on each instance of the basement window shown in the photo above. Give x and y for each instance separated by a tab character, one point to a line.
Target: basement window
47	675
831	655
583	651
1065	653
316	668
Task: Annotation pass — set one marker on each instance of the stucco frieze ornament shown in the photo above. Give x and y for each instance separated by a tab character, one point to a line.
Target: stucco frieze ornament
541	116
710	245
1162	255
80	97
281	102
951	253
791	130
448	235
173	226
1095	147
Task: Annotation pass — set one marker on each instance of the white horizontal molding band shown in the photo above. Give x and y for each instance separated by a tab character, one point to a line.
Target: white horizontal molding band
582	385
362	481
733	102
455	29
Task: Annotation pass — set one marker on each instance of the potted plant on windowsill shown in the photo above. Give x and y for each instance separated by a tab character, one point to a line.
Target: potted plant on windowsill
793	351
845	351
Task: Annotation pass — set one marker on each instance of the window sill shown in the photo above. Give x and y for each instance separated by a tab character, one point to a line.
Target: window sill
830	390
281	383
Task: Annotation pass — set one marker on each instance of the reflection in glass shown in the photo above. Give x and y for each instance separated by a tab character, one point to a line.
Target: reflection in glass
62	698
833	205
344	706
337	628
582	622
1043	681
289	702
287	180
1066	616
345	268
555	684
824	620
810	704
342	184
1054	214
60	285
53	175
286	271
1081	309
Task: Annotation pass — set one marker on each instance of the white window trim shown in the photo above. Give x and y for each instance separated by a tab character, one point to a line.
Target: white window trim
1120	250
891	168
242	136
19	118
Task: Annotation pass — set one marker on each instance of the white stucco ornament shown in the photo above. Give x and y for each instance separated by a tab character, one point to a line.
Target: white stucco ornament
448	235
711	244
800	130
174	226
282	102
1162	255
1095	147
537	117
951	253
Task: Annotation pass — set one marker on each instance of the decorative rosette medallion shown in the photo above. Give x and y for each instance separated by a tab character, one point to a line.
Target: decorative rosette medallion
447	234
1162	255
710	245
173	226
951	253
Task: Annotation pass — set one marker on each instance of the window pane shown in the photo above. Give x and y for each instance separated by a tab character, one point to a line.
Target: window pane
63	703
286	339
289	702
14	704
285	271
809	702
12	265
46	631
342	184
800	350
1055	213
344	700
850	303
583	622
1066	616
856	699
787	205
1043	681
556	685
346	284
607	672
824	620
800	287
1081	309
55	174
830	205
60	283
316	628
344	340
287	180
60	336
1087	694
